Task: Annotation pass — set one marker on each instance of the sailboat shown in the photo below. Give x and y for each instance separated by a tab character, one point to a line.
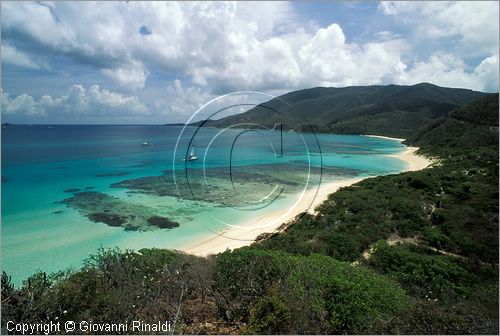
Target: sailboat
192	155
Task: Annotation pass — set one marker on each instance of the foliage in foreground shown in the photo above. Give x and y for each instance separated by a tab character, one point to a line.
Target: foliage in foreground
256	291
297	294
451	295
114	286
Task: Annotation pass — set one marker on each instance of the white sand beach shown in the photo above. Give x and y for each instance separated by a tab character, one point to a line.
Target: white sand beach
409	155
413	160
236	237
383	137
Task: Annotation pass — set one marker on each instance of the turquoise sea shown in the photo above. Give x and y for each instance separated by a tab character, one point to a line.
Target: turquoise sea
114	186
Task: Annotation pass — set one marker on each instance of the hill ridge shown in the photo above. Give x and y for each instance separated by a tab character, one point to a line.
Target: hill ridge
391	110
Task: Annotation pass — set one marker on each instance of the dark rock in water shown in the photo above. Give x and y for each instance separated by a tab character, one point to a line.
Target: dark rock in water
102	208
57	212
5	179
107	218
71	190
88	188
112	174
162	222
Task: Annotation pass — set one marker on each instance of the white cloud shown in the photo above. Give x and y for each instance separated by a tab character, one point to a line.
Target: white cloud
473	23
189	104
386	35
13	56
88	33
132	76
23	104
38	22
78	104
469	28
213	41
184	37
231	46
182	102
270	18
327	58
487	73
448	70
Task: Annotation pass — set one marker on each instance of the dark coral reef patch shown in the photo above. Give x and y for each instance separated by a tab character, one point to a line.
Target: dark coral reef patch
102	208
110	219
162	222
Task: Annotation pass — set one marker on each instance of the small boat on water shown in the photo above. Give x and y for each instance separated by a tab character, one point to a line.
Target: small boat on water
192	155
146	143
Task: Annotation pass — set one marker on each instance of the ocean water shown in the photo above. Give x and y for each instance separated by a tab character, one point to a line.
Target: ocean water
238	176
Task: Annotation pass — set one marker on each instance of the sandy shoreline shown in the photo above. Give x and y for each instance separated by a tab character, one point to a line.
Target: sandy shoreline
383	137
232	238
412	159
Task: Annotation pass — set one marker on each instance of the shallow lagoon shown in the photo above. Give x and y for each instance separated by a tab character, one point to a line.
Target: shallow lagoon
43	166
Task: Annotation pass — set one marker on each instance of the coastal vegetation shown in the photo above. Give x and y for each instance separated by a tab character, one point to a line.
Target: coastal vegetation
411	253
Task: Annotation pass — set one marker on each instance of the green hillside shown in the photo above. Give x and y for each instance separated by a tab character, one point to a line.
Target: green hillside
473	124
392	110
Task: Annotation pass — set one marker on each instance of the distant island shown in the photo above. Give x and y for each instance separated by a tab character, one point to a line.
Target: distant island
174	124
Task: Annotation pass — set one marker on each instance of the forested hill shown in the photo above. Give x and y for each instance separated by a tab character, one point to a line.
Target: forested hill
474	124
391	110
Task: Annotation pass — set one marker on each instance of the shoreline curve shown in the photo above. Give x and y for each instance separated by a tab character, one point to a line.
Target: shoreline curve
246	235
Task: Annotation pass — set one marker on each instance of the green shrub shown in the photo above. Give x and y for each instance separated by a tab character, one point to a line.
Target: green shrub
113	286
270	315
427	275
318	293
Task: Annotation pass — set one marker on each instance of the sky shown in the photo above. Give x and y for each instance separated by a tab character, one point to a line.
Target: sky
158	62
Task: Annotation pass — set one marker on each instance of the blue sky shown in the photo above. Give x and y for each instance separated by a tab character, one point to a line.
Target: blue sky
118	62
